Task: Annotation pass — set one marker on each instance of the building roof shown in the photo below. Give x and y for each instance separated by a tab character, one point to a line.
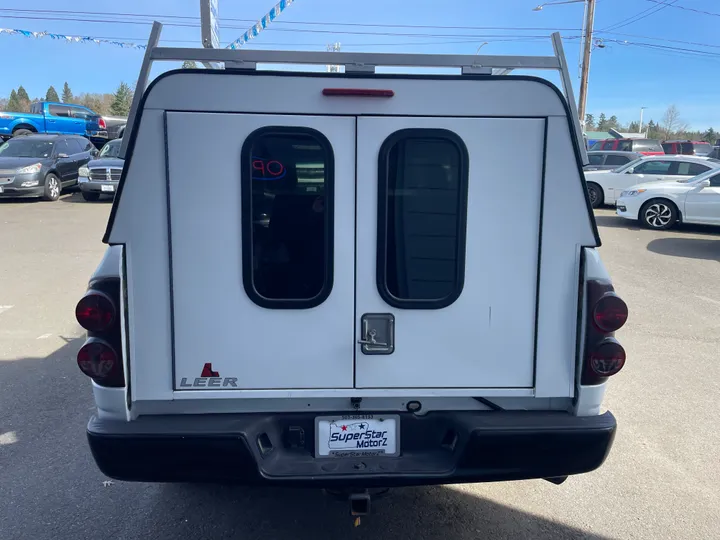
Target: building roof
598	135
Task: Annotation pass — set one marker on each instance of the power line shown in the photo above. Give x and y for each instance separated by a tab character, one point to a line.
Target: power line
639	16
298	30
696	52
251	21
659	39
684	8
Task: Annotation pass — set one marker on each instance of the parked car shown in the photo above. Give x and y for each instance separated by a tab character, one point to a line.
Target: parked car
49	117
660	205
646	147
101	176
328	300
42	165
604	187
115	126
607	160
688	148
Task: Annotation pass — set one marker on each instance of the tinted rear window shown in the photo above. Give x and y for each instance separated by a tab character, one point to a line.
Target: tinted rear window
287	187
614	159
59	110
596	159
691	169
422	210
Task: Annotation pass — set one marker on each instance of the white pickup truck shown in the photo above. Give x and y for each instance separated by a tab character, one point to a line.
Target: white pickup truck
355	282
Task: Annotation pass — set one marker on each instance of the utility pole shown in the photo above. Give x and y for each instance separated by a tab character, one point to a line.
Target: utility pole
588	44
642	109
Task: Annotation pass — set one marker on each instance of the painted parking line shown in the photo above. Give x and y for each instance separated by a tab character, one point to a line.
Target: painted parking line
44	336
5	308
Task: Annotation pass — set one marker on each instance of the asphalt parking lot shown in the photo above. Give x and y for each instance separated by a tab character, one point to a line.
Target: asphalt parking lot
662	479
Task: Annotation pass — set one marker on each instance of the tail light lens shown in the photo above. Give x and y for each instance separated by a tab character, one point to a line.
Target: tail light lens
607	313
101	356
610	313
607	359
95	311
102	124
97	359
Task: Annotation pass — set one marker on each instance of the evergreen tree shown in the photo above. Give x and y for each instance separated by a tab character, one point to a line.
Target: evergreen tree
23	99
613	122
634	127
652	130
122	101
67	95
13	103
22	94
602	123
589	122
710	136
52	95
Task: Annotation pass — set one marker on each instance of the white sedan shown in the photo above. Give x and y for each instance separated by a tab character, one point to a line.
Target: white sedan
659	205
604	187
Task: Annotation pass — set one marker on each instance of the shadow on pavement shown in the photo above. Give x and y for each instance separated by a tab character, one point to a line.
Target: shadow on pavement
615	222
412	513
76	197
52	490
692	248
19	200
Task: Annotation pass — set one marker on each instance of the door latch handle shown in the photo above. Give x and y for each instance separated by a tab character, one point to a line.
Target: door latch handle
371	341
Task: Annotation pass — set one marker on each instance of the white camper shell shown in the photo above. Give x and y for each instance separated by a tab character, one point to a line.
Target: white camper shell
350	279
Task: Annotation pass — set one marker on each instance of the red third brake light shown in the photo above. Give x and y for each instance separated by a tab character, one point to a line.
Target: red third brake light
362	92
95	311
610	313
96	359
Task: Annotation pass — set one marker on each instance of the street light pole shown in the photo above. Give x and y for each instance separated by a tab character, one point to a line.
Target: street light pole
641	118
585	74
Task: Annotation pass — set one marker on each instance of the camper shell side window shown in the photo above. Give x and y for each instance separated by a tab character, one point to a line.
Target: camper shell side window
422	214
287	217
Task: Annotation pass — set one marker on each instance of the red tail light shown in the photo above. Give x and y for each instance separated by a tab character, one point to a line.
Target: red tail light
97	359
101	356
607	313
610	313
95	311
607	359
102	124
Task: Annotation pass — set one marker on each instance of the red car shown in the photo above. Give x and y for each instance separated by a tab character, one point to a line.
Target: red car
688	148
646	147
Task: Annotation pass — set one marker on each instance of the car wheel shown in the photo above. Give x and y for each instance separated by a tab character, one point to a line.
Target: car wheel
22	131
658	214
52	188
595	192
90	197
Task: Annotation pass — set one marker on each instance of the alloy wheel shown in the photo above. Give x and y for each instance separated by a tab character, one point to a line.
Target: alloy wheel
658	215
53	187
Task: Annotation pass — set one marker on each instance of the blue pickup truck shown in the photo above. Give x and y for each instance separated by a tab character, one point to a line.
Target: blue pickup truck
61	118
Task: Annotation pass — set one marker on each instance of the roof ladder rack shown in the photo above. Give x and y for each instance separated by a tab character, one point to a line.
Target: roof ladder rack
356	63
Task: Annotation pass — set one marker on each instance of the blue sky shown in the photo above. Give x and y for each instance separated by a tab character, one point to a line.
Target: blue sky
650	71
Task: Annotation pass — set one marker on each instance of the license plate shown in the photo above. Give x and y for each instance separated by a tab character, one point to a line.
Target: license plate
107	188
357	435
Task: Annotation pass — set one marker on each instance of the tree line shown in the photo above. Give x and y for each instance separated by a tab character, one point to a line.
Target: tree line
113	104
671	126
